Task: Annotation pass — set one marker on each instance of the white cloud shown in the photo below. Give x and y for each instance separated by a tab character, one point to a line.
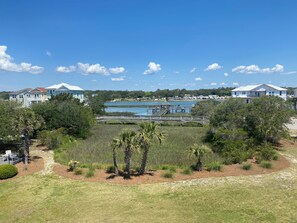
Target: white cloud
153	68
7	64
213	66
198	79
226	74
94	80
48	53
235	84
213	84
290	72
253	69
117	70
176	72
63	69
87	69
118	78
193	70
223	83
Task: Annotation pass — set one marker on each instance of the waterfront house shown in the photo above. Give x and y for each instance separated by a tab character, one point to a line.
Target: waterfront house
28	96
252	91
64	88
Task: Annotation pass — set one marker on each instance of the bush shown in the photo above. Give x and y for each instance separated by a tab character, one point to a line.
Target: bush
169	168
246	166
266	164
275	157
167	174
110	169
78	171
91	172
72	165
187	171
53	139
216	166
266	153
7	171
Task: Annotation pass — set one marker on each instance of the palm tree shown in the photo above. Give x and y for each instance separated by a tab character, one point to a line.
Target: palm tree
115	145
199	151
147	133
129	142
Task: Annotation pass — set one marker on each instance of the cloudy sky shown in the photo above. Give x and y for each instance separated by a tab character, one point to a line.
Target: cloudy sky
147	44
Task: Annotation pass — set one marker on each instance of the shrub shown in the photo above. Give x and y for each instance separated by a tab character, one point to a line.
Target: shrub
187	171
7	171
275	157
265	153
110	169
266	164
169	168
78	171
72	165
167	174
246	166
53	139
216	166
91	172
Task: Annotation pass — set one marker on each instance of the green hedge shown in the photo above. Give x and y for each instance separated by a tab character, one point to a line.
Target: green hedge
7	171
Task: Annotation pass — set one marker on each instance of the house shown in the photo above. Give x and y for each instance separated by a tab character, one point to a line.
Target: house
20	96
29	96
64	88
252	91
295	92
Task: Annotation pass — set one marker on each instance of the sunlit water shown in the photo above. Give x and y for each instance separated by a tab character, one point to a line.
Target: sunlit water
143	110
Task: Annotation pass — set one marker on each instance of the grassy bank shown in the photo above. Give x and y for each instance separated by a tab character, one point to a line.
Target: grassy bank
173	151
267	198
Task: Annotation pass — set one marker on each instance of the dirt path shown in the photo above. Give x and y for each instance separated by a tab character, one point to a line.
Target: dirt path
48	159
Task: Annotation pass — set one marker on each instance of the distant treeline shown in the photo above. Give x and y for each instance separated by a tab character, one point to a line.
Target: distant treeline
4	95
166	93
107	95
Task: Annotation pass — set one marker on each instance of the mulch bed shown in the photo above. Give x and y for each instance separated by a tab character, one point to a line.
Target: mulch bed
229	170
36	164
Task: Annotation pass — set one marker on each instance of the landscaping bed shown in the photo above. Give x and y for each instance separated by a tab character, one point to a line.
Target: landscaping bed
228	170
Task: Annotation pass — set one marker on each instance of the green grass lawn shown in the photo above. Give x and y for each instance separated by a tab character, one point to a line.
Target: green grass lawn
267	198
173	151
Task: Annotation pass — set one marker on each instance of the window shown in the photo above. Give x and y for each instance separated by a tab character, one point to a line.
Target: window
243	92
280	93
235	93
21	96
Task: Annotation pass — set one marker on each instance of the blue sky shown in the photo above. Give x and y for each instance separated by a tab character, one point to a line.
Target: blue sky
147	44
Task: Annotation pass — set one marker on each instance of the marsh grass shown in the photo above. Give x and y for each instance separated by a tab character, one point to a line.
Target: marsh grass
173	151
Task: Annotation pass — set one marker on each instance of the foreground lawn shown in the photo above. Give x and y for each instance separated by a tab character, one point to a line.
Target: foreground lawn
96	149
266	198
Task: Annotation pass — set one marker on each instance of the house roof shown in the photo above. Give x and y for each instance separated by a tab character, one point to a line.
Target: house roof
23	91
70	87
252	87
246	88
38	89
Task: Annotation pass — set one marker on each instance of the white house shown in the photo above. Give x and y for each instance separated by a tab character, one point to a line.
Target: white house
253	91
29	96
64	88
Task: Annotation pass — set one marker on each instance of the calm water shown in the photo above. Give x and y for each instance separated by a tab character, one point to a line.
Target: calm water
143	110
